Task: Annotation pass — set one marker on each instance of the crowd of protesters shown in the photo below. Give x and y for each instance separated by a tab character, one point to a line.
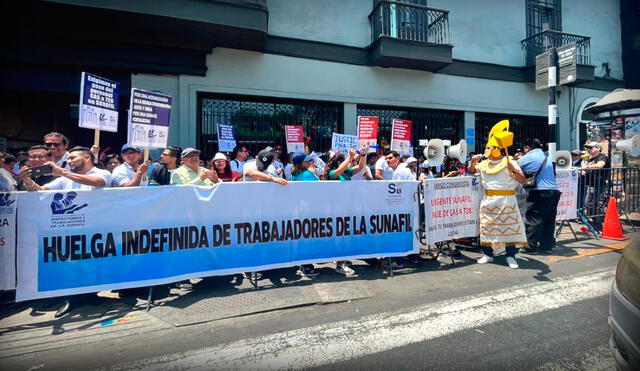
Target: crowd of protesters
54	165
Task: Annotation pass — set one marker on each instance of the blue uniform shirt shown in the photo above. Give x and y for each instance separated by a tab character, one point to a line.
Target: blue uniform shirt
531	162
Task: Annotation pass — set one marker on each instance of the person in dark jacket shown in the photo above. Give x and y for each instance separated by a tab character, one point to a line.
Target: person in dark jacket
169	161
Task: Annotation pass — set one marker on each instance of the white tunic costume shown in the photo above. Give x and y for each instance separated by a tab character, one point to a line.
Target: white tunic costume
500	220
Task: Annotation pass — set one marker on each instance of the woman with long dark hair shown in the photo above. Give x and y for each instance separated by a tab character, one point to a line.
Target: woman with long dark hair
222	167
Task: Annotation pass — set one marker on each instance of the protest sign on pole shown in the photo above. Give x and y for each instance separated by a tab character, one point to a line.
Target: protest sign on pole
318	163
90	247
8	209
295	138
451	208
401	136
149	115
226	138
98	103
368	132
567	180
344	142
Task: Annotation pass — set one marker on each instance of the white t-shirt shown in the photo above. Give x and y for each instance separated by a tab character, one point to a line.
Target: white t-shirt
63	183
403	173
237	166
247	167
387	172
360	174
124	173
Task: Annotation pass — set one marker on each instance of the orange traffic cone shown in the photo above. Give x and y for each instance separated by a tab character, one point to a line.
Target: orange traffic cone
612	228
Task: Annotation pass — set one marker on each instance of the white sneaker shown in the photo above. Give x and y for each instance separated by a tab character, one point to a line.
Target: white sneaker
485	259
512	262
344	269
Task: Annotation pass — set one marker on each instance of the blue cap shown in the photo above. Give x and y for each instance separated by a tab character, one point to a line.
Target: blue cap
300	157
128	146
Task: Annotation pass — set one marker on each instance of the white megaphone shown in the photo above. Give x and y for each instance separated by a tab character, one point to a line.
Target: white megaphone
434	152
459	151
563	159
631	146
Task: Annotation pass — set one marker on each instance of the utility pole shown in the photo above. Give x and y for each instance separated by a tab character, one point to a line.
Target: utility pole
553	104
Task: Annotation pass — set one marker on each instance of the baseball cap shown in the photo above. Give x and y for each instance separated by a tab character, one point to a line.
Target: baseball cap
594	144
264	159
576	152
300	158
187	151
128	146
219	156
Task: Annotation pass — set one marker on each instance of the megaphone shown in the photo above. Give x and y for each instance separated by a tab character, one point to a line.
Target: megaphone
563	159
434	152
459	151
632	145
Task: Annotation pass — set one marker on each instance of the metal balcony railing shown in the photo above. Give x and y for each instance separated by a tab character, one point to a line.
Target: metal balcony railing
408	21
543	41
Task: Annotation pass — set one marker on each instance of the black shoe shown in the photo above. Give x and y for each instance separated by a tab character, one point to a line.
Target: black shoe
64	309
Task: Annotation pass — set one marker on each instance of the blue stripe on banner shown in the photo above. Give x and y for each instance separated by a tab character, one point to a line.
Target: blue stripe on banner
131	268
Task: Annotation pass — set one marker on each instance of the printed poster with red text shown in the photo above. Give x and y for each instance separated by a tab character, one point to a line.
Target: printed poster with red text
295	138
368	132
401	136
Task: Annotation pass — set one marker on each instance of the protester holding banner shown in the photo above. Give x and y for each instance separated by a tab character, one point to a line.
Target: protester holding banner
57	144
500	221
239	155
543	198
130	173
83	174
383	171
221	166
191	172
169	161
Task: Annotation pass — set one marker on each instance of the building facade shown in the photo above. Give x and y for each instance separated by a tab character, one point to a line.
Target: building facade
453	68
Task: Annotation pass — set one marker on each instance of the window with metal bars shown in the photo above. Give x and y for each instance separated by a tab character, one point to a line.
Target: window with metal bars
543	14
259	121
522	127
426	123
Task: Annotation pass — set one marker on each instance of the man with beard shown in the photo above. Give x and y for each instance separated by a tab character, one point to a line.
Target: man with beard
83	174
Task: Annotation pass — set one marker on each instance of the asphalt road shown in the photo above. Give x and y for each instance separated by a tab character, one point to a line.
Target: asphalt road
549	315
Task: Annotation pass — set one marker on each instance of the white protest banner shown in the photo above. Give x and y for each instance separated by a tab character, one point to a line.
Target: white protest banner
401	136
368	132
98	103
567	180
226	138
295	138
149	116
343	142
8	206
451	208
180	232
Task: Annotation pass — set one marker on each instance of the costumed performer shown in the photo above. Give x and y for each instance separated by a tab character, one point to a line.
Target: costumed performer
501	224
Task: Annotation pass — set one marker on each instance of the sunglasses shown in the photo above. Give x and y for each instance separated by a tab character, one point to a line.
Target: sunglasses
50	144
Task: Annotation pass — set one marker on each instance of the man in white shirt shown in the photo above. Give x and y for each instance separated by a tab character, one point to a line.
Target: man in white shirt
407	172
383	171
83	175
131	171
257	170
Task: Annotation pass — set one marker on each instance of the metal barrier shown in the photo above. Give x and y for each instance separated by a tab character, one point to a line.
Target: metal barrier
595	186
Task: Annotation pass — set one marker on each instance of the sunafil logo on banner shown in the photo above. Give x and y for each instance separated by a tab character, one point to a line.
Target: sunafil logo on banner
5	199
64	208
395	194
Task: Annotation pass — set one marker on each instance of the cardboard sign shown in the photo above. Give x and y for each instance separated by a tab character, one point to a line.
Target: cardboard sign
368	132
98	103
149	116
401	136
226	138
344	142
295	138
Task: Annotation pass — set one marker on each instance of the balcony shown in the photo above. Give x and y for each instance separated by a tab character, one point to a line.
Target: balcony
545	40
405	35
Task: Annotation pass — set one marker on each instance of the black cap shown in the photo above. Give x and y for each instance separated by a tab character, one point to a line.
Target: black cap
264	159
